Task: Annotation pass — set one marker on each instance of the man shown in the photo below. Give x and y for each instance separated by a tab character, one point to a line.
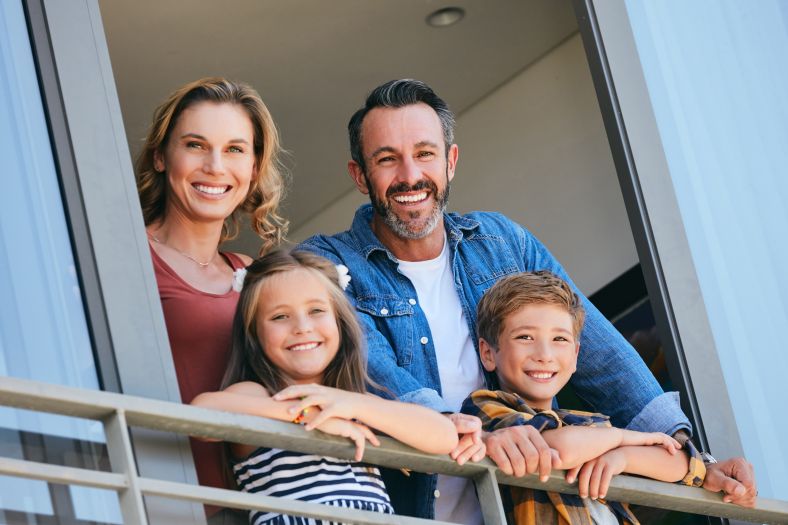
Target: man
417	275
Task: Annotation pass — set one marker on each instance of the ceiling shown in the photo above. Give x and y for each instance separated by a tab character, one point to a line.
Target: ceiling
314	61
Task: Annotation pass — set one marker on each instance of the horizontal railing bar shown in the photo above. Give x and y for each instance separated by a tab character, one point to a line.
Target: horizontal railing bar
244	500
63	475
240	428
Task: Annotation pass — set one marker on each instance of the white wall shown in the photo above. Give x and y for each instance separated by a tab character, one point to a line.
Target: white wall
535	149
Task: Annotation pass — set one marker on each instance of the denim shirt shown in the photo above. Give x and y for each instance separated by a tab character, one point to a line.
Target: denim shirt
483	247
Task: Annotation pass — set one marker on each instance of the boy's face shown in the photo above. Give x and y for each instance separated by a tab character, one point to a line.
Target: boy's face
536	355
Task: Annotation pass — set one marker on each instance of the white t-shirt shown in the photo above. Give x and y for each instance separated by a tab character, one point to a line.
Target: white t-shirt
458	368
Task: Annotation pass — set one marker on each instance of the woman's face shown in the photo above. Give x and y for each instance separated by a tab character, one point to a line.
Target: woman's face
209	162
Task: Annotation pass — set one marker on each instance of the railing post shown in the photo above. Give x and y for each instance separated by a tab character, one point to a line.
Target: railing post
121	458
490	498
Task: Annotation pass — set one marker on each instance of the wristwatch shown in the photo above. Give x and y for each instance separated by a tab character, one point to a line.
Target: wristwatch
707	458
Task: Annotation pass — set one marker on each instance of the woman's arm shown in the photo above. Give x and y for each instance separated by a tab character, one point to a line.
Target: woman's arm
414	425
578	444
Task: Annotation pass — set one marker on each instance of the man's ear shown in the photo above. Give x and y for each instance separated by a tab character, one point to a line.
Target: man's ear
451	160
357	174
158	161
487	355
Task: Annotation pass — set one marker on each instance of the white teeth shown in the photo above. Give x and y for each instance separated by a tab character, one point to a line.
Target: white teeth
211	190
540	375
302	347
411	198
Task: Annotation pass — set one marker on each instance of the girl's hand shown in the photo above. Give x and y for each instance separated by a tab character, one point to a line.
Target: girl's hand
632	437
594	477
333	402
356	432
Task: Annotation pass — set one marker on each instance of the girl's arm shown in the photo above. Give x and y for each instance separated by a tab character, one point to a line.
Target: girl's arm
578	444
414	425
251	398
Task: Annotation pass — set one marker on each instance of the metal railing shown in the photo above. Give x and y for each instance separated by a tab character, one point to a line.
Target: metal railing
119	412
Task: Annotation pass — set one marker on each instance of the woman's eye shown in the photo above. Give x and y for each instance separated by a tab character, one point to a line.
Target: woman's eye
235	149
193	145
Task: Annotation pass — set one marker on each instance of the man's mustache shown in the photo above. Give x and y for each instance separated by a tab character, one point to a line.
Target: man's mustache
404	187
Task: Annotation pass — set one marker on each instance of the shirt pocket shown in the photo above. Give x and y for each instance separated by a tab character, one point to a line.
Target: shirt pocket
488	258
394	319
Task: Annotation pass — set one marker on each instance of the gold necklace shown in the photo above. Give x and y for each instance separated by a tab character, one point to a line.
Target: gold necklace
200	263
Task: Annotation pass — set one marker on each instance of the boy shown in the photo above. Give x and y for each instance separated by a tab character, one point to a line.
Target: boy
529	326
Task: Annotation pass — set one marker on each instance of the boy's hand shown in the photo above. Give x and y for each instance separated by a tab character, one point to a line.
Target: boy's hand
521	450
470	447
594	476
634	438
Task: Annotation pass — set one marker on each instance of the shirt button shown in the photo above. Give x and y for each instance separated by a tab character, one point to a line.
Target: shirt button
424	340
412	301
437	493
384	311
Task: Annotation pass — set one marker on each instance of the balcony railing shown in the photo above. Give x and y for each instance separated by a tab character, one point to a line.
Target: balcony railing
119	412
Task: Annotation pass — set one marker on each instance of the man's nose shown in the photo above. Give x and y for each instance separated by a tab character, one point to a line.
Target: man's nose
409	172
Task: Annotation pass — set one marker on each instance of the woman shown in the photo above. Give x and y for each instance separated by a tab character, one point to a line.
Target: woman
210	156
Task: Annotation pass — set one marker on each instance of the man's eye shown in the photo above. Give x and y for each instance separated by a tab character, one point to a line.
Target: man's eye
383	160
425	154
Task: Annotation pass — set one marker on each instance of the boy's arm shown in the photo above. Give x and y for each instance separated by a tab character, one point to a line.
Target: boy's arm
578	444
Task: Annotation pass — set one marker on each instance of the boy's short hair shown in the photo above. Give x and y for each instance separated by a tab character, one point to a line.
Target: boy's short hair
516	291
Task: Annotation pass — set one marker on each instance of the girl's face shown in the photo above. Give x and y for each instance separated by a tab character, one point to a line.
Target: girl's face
297	326
209	161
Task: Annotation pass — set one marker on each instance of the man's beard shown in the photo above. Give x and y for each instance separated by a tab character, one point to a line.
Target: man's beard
417	227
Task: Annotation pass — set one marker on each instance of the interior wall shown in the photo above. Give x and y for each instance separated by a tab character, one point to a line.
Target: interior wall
535	149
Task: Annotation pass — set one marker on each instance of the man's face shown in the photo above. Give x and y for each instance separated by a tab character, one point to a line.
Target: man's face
407	170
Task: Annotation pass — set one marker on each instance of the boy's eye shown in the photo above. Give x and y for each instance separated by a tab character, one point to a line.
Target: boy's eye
527	337
560	338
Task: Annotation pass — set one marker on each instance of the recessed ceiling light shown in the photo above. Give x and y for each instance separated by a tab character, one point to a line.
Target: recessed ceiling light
448	16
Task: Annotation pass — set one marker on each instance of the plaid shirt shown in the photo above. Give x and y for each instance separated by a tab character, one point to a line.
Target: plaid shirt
529	506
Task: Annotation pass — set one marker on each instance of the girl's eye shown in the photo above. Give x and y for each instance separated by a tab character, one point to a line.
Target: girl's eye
316	311
278	317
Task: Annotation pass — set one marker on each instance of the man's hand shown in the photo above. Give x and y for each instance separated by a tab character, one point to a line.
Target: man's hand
471	447
736	478
521	450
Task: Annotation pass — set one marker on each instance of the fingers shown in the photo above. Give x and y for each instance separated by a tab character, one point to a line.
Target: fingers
594	479
465	423
296	391
735	478
604	481
584	478
571	474
497	453
521	450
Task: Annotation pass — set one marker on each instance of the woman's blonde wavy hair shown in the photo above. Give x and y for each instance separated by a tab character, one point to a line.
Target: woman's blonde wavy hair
266	189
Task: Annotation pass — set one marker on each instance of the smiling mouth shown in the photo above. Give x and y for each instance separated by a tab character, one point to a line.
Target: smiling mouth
414	198
211	190
541	375
303	347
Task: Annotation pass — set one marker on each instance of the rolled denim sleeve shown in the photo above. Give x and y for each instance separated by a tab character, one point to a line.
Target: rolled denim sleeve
611	376
662	414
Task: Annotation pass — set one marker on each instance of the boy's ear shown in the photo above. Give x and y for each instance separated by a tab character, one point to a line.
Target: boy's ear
487	355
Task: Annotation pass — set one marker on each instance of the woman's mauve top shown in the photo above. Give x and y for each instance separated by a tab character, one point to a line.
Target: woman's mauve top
199	325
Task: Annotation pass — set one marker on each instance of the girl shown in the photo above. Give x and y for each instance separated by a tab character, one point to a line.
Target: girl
296	334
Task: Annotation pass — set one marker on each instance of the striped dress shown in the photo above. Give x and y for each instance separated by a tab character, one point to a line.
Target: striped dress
306	477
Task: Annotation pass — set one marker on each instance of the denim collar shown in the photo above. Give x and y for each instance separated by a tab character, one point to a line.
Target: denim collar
456	228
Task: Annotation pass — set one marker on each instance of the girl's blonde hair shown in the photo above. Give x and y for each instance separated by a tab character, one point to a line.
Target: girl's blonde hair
248	361
267	186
